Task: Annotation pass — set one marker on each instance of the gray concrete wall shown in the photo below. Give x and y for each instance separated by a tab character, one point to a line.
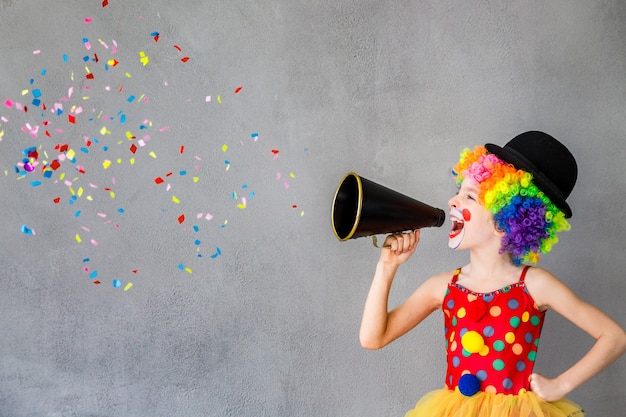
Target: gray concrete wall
260	317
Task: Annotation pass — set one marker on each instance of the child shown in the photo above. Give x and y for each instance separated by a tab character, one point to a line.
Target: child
509	209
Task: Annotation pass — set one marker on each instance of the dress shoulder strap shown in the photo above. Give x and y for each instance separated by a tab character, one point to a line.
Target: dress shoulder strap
523	274
455	276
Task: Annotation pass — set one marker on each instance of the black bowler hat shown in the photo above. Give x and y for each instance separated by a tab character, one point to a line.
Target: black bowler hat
551	164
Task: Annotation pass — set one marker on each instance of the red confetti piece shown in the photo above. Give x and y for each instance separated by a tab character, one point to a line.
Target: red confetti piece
158	180
105	3
71	119
133	148
185	59
181	219
182	149
89	76
97	282
135	271
275	151
169	174
57	200
55	165
238	89
177	47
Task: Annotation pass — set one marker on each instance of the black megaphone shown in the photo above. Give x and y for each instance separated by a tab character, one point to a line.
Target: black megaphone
363	208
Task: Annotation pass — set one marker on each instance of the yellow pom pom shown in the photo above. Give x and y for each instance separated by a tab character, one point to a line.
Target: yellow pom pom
472	341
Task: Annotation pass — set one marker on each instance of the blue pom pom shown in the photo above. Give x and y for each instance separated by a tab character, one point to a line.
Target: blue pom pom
469	385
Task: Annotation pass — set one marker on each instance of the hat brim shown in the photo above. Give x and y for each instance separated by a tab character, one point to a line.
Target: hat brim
519	161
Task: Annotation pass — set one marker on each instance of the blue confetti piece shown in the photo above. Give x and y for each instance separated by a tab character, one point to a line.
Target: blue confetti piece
35	183
130	99
86	259
183	173
123	119
154	34
29	150
117	283
64	57
36	93
86	58
196	229
181	267
93	274
84	149
36	102
47	173
120	210
26	230
44	71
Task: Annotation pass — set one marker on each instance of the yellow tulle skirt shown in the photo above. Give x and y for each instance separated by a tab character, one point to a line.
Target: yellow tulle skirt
448	403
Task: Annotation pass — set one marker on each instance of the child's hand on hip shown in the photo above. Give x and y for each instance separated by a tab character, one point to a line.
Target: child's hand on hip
547	389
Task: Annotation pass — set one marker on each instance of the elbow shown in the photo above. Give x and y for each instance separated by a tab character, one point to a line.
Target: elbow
370	343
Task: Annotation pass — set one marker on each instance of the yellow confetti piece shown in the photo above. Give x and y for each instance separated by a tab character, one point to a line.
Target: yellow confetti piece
72	191
302	213
127	75
80	191
119	160
143	58
71	154
90	198
111	194
128	286
175	199
292	175
219	99
132	161
24	92
85	97
196	179
129	135
105	131
72	76
241	206
78	239
62	175
224	147
1	133
188	270
152	154
111	62
87	70
106	164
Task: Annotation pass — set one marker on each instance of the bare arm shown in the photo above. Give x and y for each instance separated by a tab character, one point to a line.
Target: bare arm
379	327
610	337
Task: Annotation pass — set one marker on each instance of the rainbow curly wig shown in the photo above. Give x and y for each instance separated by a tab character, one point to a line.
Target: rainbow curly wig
526	215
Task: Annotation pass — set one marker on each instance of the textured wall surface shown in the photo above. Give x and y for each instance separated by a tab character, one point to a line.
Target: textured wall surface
114	304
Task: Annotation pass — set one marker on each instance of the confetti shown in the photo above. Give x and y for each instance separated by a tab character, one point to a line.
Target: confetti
27	231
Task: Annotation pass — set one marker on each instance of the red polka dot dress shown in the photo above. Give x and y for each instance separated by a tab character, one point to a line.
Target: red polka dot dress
491	344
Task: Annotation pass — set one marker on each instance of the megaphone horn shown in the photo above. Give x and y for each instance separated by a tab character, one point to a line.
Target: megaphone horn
364	208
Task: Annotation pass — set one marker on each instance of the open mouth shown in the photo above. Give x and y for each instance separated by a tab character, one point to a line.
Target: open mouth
457	227
457	231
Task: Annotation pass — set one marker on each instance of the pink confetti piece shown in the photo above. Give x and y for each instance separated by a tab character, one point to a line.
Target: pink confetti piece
87	20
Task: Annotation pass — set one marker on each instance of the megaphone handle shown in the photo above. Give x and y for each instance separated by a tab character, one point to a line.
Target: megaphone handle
375	242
